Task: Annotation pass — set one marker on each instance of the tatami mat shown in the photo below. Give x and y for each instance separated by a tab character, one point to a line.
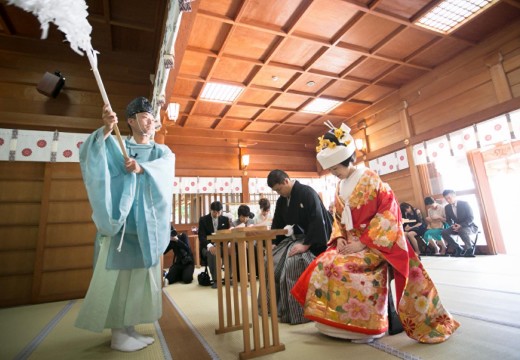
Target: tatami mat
483	293
297	339
47	332
20	325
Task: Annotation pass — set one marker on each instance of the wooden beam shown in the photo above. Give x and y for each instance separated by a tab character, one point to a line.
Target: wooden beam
235	136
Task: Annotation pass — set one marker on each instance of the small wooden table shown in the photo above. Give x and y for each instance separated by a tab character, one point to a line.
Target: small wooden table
246	239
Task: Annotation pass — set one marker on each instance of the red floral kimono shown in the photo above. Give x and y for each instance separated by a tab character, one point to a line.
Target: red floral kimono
350	291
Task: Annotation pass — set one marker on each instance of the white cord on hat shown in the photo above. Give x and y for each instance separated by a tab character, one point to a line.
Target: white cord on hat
329	124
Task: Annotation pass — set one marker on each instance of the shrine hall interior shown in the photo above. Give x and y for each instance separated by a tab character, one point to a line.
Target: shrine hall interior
432	109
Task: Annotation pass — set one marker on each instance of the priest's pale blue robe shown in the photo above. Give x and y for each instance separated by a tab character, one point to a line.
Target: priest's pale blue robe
132	214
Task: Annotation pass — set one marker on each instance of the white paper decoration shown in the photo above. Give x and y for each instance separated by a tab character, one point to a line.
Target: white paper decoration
402	159
261	186
374	165
188	185
438	148
493	131
223	185
515	123
206	185
419	154
176	185
68	146
5	141
463	141
252	185
387	164
33	145
236	185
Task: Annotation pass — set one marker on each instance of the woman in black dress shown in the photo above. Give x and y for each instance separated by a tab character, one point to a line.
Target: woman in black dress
414	226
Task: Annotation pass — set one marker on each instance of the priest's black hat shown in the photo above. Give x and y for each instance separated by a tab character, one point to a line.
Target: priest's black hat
138	105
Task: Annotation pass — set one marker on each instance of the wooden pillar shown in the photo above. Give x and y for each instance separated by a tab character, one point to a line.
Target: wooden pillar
499	77
418	193
42	234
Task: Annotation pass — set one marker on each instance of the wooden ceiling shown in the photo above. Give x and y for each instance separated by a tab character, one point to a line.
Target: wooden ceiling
355	51
119	27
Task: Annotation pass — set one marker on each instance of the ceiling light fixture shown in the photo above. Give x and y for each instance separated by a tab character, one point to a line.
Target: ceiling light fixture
450	14
274	78
311	83
321	106
219	92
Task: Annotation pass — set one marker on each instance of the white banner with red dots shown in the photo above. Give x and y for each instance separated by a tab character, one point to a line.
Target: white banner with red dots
45	146
68	144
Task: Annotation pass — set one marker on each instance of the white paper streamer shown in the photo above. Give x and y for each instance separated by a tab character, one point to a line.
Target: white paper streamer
70	16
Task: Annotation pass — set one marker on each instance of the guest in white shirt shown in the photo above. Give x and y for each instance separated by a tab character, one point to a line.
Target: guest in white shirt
264	216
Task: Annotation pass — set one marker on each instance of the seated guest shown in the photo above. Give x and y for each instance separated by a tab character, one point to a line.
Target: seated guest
183	265
459	217
264	216
209	224
245	217
436	219
415	227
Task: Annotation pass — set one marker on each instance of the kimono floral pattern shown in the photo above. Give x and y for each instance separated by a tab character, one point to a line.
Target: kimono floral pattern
350	291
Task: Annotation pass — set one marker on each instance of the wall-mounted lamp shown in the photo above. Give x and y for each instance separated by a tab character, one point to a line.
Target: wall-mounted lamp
244	161
172	111
360	146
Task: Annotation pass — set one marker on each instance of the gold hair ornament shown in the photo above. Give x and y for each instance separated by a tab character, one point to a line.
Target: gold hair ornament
340	134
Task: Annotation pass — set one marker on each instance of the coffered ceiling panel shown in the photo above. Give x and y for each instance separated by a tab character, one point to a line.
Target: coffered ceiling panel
287	53
283	53
232	124
239	43
335	61
245	112
260	127
406	43
342	89
369	31
228	69
199	65
296	51
323	19
289	101
301	118
211	35
274	16
274	77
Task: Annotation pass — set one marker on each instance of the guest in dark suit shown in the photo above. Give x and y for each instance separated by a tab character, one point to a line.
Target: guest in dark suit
183	266
460	218
209	224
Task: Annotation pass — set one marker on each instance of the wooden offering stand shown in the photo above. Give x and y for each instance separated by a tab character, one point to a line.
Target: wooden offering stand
235	308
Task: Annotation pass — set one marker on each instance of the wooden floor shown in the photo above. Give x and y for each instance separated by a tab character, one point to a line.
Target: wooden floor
483	293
